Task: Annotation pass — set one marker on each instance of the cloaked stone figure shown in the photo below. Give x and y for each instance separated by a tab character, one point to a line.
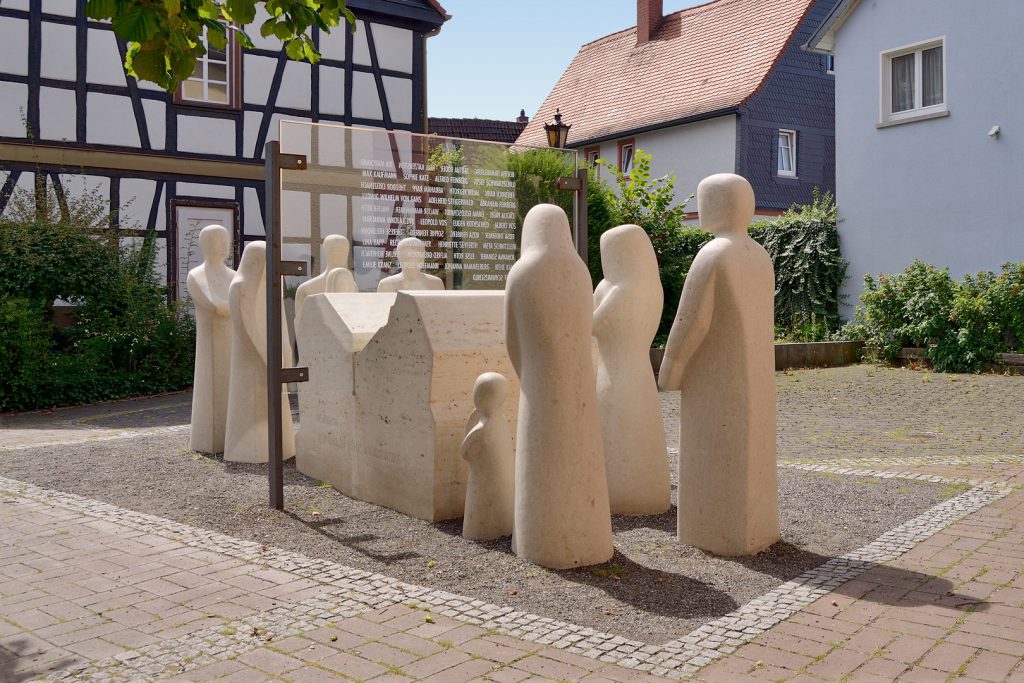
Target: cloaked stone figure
562	518
411	257
332	277
246	434
487	448
628	305
208	285
720	354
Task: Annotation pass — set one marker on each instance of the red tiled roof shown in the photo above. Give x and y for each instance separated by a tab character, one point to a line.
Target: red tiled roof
700	60
476	129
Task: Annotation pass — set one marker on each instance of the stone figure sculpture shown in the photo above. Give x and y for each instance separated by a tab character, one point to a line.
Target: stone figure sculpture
628	305
246	432
720	354
208	285
490	491
341	281
333	256
411	257
562	517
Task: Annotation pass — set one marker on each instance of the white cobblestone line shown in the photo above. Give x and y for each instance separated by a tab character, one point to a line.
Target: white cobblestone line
921	461
361	591
880	474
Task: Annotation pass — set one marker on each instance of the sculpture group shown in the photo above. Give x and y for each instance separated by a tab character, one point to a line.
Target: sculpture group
558	438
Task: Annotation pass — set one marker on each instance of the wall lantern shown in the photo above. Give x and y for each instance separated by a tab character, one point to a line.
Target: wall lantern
557	131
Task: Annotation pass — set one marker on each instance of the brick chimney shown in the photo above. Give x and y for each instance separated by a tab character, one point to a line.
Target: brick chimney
648	14
522	118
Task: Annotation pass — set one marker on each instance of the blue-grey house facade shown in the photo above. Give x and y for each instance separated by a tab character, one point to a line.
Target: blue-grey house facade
929	133
693	89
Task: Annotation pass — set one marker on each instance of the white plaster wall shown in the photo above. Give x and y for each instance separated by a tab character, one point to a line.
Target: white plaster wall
16	4
205	190
394	47
941	190
332	90
296	214
692	152
295	86
105	65
253	219
333	215
156	123
332	46
136	200
399	94
365	102
64	8
110	120
361	48
257	72
13	101
58	55
57	114
81	185
14	34
252	128
206	135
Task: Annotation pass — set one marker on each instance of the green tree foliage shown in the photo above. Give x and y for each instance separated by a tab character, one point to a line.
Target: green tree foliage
809	268
127	340
961	325
165	37
651	204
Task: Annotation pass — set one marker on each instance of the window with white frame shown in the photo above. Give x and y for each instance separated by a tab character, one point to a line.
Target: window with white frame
211	82
592	154
626	156
830	64
914	81
787	153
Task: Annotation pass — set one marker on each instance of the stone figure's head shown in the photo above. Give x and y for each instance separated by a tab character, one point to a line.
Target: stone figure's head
726	203
627	253
412	253
546	227
253	265
335	252
215	243
489	392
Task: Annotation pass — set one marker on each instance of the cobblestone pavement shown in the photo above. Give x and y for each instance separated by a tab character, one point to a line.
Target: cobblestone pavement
89	591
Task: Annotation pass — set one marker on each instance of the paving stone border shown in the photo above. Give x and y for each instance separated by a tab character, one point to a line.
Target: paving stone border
354	592
100	435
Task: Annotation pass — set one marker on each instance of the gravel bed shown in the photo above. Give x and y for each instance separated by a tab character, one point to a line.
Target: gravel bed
654	589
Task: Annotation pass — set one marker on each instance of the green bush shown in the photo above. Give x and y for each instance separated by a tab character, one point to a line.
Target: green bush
127	340
961	325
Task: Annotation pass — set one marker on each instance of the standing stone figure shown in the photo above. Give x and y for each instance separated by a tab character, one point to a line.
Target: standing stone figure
720	354
562	518
207	285
246	434
490	490
411	257
628	304
333	256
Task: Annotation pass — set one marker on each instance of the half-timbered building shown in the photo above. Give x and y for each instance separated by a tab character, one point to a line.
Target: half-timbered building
71	121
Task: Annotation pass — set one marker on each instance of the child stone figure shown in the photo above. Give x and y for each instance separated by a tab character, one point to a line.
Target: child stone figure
490	492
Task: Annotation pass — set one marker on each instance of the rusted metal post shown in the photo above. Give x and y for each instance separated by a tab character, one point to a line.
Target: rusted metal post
275	162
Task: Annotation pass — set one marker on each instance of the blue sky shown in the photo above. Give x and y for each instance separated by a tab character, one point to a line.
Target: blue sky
494	58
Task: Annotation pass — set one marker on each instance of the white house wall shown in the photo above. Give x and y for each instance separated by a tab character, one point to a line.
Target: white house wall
692	152
940	190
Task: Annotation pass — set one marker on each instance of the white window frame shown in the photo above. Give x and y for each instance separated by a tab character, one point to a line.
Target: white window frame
830	64
204	64
886	114
626	160
791	136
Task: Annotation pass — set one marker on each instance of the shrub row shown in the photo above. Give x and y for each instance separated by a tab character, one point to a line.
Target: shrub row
962	325
127	340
